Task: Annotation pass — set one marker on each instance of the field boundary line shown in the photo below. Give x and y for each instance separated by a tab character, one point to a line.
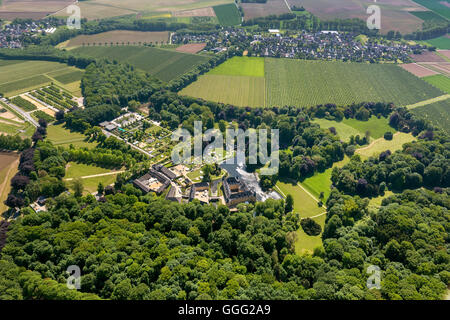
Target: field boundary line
429	101
97	175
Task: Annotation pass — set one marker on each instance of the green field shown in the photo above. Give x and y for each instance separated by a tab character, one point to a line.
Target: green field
343	130
376	127
228	14
352	127
240	66
381	145
439	81
306	206
78	170
60	136
428	16
436	6
321	181
309	83
240	91
437	113
67	76
440	43
163	64
17	77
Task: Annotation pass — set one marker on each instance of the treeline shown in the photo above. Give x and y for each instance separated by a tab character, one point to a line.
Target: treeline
406	238
430	30
186	79
45	53
14	143
424	163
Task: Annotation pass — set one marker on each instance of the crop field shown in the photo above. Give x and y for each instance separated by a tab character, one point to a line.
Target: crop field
427	56
376	127
237	90
33	9
121	37
308	83
428	16
98	9
395	13
437	6
163	64
418	70
240	66
439	81
228	14
438	113
9	163
381	145
441	42
271	7
17	77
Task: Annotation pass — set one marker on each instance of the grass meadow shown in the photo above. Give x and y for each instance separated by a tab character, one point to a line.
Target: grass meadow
60	136
381	145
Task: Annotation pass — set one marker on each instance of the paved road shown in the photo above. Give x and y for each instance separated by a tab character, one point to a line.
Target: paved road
25	115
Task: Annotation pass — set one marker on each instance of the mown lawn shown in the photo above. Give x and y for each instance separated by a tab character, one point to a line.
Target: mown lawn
376	127
78	170
61	136
321	181
344	131
382	145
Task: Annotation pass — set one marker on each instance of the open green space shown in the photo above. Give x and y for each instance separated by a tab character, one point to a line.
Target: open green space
228	14
439	81
304	204
376	127
437	113
60	136
163	64
78	170
306	243
343	130
321	181
381	145
240	66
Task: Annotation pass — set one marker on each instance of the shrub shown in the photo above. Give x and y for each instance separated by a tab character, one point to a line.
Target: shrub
388	136
311	227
